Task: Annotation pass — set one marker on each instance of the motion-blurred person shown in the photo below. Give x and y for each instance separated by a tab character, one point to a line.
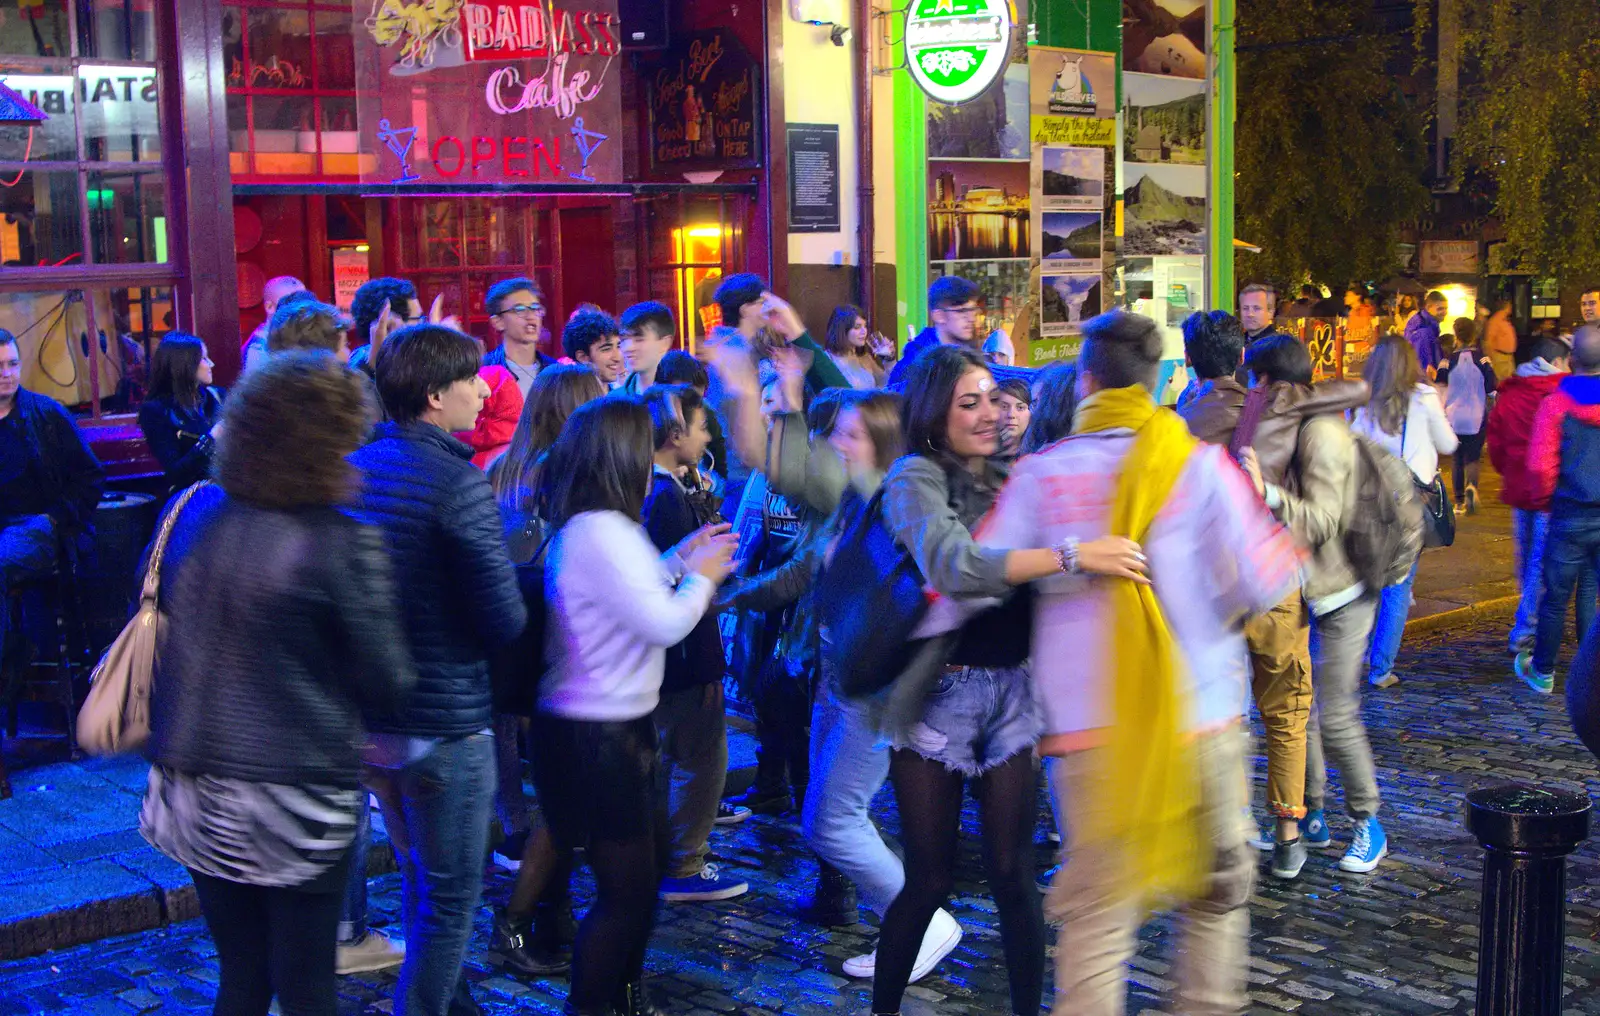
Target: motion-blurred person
1141	683
1404	417
254	351
432	762
310	325
1500	339
681	368
1564	474
615	605
180	409
1467	377
282	631
1509	431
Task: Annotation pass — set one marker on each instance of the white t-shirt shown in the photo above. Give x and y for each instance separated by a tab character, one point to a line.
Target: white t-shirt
614	607
1427	434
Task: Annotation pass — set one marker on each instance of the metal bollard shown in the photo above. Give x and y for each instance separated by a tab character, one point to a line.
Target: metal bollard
1526	833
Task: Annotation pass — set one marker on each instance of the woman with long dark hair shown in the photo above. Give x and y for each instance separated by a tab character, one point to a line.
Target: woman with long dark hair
180	409
849	345
282	629
615	605
977	723
1055	401
1406	418
556	394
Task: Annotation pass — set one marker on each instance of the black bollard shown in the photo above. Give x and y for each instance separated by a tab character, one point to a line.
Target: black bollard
1527	833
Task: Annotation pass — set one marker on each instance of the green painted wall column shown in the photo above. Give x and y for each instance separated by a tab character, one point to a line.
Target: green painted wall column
910	198
1224	70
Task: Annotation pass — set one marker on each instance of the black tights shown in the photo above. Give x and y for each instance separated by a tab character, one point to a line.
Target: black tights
929	798
615	932
545	877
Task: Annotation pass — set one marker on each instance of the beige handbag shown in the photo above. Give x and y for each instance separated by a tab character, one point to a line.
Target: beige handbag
115	718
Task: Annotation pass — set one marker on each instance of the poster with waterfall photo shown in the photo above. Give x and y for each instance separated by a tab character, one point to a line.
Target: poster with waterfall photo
1066	302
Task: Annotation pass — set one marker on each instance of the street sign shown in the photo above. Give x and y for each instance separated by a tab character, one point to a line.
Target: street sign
956	48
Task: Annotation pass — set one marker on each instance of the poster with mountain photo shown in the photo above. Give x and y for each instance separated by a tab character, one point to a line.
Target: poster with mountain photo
1072	178
1066	302
1071	241
1164	210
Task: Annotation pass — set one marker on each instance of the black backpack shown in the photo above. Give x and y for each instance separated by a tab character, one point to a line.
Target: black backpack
1383	535
516	669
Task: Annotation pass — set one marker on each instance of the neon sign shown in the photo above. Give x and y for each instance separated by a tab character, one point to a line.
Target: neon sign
956	48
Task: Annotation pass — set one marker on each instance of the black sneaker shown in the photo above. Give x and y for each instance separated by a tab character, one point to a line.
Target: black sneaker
1288	857
764	802
519	952
729	813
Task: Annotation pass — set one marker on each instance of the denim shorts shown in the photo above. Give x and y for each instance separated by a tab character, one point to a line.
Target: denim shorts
976	718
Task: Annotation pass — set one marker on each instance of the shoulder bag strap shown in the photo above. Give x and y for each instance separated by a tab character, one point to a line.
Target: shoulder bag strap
152	572
1244	432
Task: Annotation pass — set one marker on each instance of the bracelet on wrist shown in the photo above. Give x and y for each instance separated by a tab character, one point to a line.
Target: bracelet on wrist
1067	555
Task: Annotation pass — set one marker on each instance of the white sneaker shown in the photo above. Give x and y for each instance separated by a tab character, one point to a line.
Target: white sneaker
374	951
942	936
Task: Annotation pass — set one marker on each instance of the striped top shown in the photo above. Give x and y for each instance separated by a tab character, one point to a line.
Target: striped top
262	834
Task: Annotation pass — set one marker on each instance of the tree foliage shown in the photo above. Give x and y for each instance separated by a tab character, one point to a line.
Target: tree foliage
1530	123
1329	154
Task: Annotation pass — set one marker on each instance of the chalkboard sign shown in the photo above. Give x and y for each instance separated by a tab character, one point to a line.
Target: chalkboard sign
705	104
813	178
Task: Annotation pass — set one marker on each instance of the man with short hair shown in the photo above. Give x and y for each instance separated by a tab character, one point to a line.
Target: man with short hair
50	481
1589	304
432	762
953	311
1422	331
1564	476
516	313
1508	434
386	293
1500	339
309	324
1216	557
254	350
1258	304
648	332
593	339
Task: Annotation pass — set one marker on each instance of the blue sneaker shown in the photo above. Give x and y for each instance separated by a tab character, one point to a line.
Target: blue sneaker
1544	684
705	887
1368	846
1048	879
1314	829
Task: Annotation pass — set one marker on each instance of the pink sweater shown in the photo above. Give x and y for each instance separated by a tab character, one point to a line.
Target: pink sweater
1216	555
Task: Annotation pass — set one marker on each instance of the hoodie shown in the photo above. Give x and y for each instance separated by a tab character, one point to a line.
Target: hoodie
1517	401
1564	449
929	338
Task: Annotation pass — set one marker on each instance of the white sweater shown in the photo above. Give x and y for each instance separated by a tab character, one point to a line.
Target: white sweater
614	607
1427	433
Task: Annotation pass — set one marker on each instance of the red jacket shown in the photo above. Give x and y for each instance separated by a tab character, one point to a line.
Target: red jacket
498	420
1510	427
1564	452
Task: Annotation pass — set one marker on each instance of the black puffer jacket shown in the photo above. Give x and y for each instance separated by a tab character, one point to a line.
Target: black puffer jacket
282	629
180	437
458	594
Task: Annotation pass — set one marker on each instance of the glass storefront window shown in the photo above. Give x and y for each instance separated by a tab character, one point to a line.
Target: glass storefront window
690	244
36	29
128	217
48	86
117	30
40	219
126	325
121	117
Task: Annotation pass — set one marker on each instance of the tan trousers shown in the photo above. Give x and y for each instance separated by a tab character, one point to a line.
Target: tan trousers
1099	929
1280	677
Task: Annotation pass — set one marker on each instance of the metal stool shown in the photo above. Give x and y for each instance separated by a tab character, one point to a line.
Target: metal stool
48	601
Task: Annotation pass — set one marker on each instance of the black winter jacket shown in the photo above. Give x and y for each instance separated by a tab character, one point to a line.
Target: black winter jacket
669	517
70	478
282	629
180	438
458	594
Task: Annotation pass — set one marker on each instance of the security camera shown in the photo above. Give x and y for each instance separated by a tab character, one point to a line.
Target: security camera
840	35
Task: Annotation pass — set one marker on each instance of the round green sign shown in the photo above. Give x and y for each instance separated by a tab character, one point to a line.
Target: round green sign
956	48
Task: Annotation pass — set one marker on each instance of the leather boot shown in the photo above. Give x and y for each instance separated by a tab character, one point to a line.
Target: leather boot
833	901
634	1000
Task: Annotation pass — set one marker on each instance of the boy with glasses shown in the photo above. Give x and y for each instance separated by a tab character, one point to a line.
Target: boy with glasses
516	313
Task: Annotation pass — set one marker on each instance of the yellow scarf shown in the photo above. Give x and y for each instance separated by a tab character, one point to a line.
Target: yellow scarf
1149	794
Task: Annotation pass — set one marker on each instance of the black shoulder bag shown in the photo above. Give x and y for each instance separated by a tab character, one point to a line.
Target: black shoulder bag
516	669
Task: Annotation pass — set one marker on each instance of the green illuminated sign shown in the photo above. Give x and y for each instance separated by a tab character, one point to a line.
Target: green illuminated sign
956	48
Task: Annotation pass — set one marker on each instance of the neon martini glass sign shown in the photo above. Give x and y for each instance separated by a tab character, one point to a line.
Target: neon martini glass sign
956	48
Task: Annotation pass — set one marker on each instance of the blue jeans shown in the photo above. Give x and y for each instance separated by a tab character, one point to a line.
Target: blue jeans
1394	604
848	766
1571	552
353	917
437	812
1528	529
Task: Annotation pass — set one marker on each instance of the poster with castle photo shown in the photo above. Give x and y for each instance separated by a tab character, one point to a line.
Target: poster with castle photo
1163	120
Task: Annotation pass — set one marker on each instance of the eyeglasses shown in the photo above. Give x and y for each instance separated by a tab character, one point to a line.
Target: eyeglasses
972	310
525	309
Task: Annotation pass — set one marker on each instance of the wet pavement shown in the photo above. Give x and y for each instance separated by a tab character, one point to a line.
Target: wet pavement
1399	941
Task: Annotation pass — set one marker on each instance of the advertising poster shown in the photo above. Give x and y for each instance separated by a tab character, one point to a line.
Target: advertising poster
1164	37
1067	301
1072	178
1071	241
1164	210
993	124
1163	120
977	210
704	97
488	91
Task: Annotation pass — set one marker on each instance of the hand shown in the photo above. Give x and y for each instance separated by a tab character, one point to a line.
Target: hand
791	379
881	346
702	536
437	316
386	323
714	558
1252	469
731	363
1116	556
216	431
781	316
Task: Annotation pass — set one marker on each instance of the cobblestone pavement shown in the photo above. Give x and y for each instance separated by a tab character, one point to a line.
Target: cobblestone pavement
1400	941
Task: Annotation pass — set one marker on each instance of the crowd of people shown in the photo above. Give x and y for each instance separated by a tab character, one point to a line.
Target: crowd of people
411	572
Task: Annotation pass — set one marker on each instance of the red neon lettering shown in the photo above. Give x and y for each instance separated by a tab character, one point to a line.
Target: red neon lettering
551	161
461	156
482	151
508	155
